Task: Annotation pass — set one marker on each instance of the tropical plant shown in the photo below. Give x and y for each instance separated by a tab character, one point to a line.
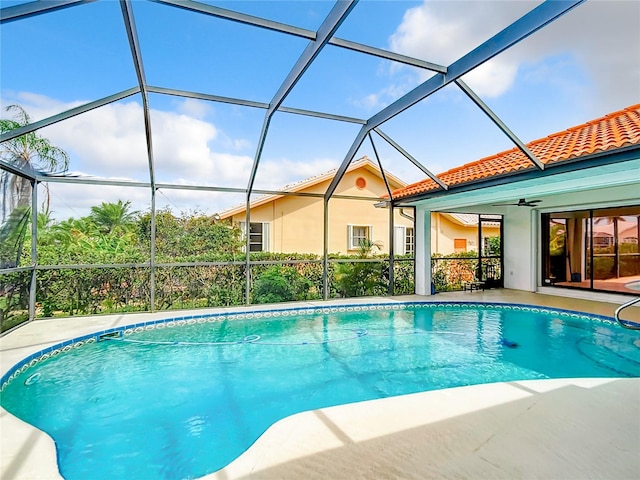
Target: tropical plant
359	279
113	217
27	152
191	236
492	246
280	284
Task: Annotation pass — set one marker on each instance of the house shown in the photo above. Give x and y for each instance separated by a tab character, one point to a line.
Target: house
453	233
293	223
570	209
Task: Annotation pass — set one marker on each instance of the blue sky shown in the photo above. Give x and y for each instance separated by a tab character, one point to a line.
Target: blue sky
582	66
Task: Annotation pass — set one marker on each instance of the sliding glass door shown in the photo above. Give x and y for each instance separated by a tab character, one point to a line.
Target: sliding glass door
591	249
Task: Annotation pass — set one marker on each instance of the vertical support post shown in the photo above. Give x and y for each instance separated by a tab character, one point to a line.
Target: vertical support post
325	249
414	249
247	239
616	247
152	253
423	251
480	246
391	249
590	249
538	270
34	249
535	250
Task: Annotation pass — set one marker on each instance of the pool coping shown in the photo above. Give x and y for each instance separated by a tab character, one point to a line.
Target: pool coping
13	466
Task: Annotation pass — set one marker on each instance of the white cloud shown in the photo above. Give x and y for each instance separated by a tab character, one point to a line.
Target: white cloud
423	35
370	102
493	78
194	108
383	97
441	33
601	36
110	143
241	144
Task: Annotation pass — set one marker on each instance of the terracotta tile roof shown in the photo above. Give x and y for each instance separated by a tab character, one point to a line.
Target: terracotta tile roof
616	130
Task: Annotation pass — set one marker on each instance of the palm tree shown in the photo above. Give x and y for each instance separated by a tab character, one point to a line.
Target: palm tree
28	152
110	217
360	279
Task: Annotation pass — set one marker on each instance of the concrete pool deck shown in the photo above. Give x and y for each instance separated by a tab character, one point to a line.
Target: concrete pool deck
567	428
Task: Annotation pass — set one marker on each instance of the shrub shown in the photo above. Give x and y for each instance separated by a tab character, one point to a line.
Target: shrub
280	284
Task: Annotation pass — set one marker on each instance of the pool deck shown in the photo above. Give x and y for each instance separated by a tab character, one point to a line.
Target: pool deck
564	429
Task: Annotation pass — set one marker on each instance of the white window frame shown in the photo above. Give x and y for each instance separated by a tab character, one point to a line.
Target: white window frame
264	240
409	241
400	240
352	244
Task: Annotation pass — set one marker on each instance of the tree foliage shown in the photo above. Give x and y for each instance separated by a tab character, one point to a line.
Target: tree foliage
113	217
27	152
359	279
112	246
281	284
191	237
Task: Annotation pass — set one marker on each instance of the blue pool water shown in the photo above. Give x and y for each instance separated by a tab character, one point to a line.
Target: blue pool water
181	399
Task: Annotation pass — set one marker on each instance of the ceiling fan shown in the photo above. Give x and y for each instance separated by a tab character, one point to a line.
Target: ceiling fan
521	203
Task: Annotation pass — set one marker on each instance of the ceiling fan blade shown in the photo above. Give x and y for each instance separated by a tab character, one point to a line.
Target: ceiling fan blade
521	203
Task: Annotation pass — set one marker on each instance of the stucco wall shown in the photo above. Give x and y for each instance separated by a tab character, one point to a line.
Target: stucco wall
518	227
444	231
296	223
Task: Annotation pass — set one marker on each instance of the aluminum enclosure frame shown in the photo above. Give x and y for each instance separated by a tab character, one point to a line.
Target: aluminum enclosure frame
531	22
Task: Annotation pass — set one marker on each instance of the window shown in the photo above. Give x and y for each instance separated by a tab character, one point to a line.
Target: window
408	241
459	245
602	240
358	233
403	241
591	249
258	236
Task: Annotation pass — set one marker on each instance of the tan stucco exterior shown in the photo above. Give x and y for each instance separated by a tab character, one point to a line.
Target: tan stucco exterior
446	229
296	223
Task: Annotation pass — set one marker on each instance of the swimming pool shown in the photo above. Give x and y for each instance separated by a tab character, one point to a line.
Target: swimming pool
184	397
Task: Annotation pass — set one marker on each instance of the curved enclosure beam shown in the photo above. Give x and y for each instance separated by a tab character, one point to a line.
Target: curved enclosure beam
18	170
501	125
336	16
409	157
134	43
31	9
234	16
299	32
511	35
382	172
132	35
32	127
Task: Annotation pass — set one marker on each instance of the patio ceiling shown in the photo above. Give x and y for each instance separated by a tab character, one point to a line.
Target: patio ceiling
312	45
